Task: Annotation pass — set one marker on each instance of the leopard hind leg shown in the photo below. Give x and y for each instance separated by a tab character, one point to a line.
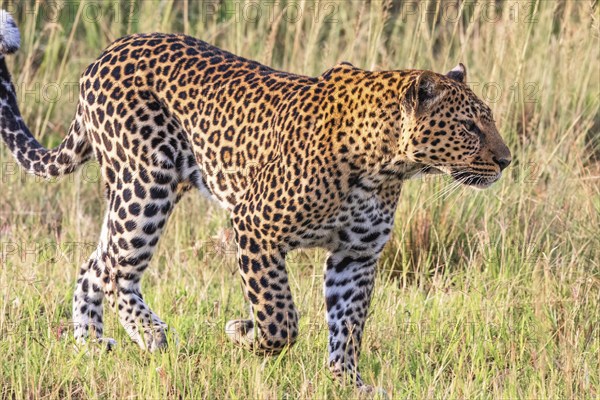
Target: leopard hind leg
89	295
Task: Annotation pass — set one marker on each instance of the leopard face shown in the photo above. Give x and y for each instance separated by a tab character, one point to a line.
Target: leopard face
450	130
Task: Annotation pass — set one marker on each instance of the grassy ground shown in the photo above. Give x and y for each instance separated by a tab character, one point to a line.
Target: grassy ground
492	294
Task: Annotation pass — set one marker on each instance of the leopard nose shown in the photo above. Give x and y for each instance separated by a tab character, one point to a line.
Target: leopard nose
502	162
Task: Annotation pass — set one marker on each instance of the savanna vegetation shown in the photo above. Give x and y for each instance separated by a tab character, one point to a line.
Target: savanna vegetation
480	294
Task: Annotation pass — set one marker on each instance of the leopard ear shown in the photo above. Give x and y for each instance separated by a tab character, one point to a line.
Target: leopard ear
423	92
458	73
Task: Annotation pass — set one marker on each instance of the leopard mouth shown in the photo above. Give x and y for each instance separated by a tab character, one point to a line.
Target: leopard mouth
472	179
431	170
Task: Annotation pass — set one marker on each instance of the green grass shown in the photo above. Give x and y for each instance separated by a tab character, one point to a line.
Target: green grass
481	294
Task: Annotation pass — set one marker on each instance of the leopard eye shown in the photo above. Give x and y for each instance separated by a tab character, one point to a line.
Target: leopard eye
472	127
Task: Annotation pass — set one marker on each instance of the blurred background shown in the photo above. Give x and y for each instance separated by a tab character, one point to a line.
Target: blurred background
481	293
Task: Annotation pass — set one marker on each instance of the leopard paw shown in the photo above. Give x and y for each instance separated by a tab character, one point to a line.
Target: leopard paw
156	338
107	344
242	333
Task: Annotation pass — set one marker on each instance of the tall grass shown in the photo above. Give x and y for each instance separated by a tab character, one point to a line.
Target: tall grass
491	294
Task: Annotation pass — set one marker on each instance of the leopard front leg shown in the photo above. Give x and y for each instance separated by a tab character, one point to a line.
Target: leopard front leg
349	280
273	322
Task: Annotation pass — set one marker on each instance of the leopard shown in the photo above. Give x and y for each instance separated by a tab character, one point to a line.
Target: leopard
295	161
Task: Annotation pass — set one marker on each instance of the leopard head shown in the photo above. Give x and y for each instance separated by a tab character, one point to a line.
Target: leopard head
447	128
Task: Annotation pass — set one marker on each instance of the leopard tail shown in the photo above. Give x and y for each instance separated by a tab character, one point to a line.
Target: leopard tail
74	150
